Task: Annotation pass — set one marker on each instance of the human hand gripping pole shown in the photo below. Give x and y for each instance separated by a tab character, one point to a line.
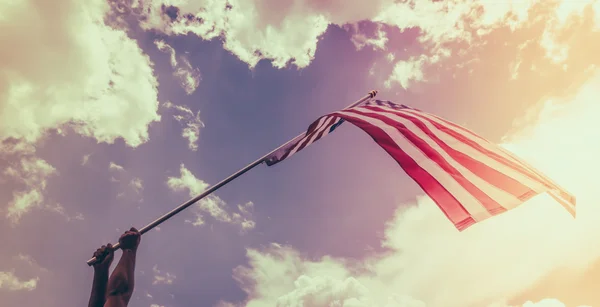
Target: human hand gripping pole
215	187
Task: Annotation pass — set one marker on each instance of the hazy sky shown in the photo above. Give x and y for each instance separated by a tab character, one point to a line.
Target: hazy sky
113	113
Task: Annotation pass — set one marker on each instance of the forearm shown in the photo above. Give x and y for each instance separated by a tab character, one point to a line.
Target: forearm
99	288
121	281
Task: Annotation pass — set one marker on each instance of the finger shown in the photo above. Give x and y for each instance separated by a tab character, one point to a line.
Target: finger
100	257
133	229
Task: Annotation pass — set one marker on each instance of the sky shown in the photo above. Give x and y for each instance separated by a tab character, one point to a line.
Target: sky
113	112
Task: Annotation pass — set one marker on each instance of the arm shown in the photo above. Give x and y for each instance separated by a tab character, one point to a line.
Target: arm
121	282
98	295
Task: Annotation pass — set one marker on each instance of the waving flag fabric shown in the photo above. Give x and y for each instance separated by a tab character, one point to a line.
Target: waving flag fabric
468	177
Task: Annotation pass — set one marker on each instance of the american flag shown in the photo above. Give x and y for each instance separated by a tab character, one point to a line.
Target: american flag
468	177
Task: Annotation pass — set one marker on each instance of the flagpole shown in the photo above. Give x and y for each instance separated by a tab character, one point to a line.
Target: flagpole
223	182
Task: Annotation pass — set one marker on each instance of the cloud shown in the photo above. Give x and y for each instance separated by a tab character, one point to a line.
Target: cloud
428	263
32	173
547	303
85	159
162	278
66	68
555	39
406	72
189	77
137	185
130	187
10	282
283	31
211	205
59	209
192	123
286	32
115	167
360	39
31	263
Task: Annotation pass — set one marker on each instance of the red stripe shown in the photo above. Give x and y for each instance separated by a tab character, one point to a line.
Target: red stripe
451	207
491	154
314	126
327	126
492	206
517	164
305	138
451	124
477	167
564	194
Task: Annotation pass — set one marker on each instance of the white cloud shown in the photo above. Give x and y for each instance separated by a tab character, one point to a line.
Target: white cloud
130	186
287	31
31	263
10	282
565	15
406	72
162	278
59	209
137	185
189	77
66	67
547	303
85	159
33	173
211	205
429	261
283	31
192	123
361	40
115	167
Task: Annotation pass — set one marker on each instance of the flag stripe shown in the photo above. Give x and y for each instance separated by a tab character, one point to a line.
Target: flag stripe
489	181
485	148
468	177
323	124
557	188
326	130
451	207
488	169
499	154
468	200
509	158
474	185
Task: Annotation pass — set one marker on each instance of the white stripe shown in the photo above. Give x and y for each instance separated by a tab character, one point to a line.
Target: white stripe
326	132
540	177
532	169
482	142
458	145
505	199
468	201
322	121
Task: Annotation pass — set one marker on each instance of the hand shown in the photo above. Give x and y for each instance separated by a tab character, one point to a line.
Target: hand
130	239
104	255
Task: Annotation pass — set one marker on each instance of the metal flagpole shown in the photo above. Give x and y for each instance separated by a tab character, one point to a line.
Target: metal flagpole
223	182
